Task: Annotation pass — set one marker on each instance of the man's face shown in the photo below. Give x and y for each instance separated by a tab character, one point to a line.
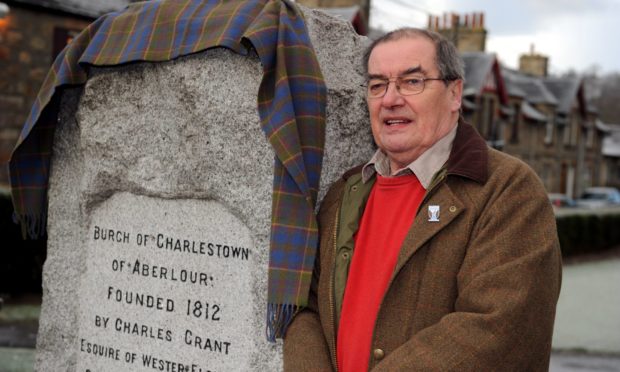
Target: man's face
406	126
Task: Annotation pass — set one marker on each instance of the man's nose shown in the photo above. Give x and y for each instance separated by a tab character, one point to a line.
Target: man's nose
392	96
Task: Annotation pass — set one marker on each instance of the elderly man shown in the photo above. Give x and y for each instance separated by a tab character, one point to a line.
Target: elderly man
439	253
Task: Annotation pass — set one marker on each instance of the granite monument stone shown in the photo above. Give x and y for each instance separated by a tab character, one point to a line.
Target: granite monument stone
159	209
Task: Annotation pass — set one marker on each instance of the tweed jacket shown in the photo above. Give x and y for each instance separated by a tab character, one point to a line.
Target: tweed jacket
476	291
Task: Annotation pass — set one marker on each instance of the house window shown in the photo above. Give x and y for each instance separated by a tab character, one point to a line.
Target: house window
481	116
549	132
547	176
590	137
574	136
587	176
567	129
486	117
499	139
491	119
514	136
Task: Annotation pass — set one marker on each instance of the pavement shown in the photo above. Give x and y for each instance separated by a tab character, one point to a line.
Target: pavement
19	322
580	362
588	312
16	360
18	335
586	336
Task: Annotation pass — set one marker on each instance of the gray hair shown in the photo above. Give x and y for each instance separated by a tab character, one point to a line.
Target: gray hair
449	63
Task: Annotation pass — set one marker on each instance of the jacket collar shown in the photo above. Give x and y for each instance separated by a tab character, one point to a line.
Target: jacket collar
424	166
469	155
468	158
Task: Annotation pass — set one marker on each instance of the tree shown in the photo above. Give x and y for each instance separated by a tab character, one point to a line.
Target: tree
602	92
607	101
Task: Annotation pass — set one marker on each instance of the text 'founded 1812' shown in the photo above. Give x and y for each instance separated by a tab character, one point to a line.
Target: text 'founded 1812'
170	290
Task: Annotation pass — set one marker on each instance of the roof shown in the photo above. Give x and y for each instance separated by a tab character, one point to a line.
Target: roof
530	88
483	72
531	113
468	104
477	67
606	127
565	89
86	8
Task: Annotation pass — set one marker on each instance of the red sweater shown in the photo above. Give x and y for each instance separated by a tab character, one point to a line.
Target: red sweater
388	215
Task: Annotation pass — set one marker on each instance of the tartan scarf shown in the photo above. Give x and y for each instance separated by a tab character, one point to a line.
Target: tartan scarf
291	105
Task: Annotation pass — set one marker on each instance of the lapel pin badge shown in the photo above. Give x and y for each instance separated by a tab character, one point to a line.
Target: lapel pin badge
433	213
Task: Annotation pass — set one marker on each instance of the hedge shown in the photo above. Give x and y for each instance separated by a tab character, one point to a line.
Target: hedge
21	261
584	232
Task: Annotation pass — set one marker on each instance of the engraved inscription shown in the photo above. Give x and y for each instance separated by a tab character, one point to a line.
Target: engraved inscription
164	293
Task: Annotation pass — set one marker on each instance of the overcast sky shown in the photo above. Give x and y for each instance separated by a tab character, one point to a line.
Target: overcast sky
575	34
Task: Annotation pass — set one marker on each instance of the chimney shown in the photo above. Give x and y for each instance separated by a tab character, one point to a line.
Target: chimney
534	63
469	36
455	21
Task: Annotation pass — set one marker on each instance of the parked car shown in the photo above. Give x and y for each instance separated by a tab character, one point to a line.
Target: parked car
597	197
561	200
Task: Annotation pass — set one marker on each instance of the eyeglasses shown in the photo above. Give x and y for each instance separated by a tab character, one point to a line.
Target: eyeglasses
405	85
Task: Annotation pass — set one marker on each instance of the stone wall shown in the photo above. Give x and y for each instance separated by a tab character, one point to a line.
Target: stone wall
26	52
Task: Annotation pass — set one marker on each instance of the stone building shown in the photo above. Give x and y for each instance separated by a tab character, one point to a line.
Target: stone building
32	33
610	169
540	119
529	131
467	32
484	96
578	147
534	63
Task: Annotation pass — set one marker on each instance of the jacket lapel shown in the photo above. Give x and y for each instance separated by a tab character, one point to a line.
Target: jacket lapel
425	225
468	159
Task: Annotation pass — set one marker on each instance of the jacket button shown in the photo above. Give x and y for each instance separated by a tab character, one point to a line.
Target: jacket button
378	354
354	188
345	255
452	208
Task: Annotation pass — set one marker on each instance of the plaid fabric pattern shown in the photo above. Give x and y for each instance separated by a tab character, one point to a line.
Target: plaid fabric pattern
291	105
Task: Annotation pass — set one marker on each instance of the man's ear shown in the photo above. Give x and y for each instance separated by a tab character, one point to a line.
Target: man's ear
456	94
